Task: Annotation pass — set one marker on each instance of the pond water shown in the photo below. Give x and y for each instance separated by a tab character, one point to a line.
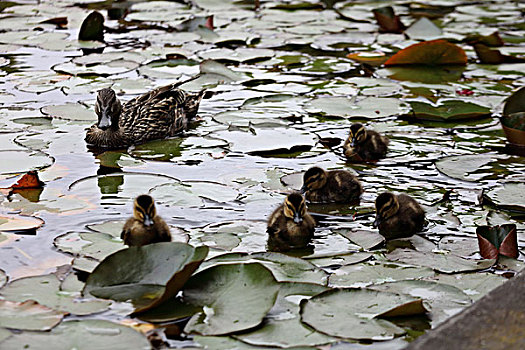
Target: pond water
281	97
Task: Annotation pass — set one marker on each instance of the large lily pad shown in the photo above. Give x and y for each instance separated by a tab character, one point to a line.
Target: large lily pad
225	292
475	167
19	161
362	275
150	274
284	268
509	196
366	239
28	315
70	111
354	313
475	285
79	334
19	223
96	245
370	107
448	110
47	291
446	263
192	193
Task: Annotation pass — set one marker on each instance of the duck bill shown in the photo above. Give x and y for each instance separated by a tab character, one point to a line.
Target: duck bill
104	122
148	220
377	221
297	218
303	189
352	144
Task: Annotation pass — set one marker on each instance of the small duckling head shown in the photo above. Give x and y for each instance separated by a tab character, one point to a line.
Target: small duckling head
108	109
295	207
313	179
144	209
357	134
387	205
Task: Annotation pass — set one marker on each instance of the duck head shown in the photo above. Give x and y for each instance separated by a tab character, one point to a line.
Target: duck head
387	206
357	134
108	109
295	207
144	209
313	179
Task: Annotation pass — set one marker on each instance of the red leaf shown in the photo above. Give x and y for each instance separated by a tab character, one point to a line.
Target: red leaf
388	21
509	246
29	180
434	52
487	249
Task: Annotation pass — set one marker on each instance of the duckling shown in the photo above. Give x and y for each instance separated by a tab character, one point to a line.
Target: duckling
157	114
145	226
398	216
365	145
290	225
335	186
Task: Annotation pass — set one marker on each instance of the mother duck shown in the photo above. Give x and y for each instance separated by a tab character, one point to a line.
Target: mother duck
157	114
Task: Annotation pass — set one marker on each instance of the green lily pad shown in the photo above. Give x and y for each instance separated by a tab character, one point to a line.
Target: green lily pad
113	228
223	343
446	263
239	55
70	111
354	313
370	107
366	239
92	28
442	300
19	161
285	268
103	69
449	110
46	290
341	260
510	196
151	274
225	292
515	103
461	246
96	245
28	315
192	193
362	275
475	285
99	334
475	167
171	310
19	223
423	74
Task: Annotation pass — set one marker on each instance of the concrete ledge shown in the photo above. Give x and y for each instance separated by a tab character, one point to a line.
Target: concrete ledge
496	321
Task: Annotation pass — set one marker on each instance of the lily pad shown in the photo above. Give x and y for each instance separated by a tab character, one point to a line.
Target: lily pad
96	245
192	193
153	273
19	161
443	301
510	196
92	28
70	111
46	290
475	285
225	292
496	240
370	107
99	334
285	268
19	223
341	260
28	315
354	313
449	110
446	263
366	239
475	167
362	275
3	278
435	52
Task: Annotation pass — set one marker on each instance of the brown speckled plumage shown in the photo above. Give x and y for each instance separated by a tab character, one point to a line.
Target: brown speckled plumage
335	186
160	113
398	216
368	145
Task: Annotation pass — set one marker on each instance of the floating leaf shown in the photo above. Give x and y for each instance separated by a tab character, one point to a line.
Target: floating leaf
79	334
515	103
354	313
225	292
96	245
387	20
285	268
150	274
370	107
487	55
29	180
28	315
70	111
496	240
92	28
15	162
341	260
475	285
3	278
362	275
19	223
366	239
435	52
446	263
47	291
510	196
374	59
423	29
191	193
448	110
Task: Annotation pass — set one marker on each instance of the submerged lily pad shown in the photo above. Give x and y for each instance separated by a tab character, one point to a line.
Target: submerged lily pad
449	110
99	334
28	315
510	196
354	313
19	161
446	263
153	273
285	268
47	291
225	292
